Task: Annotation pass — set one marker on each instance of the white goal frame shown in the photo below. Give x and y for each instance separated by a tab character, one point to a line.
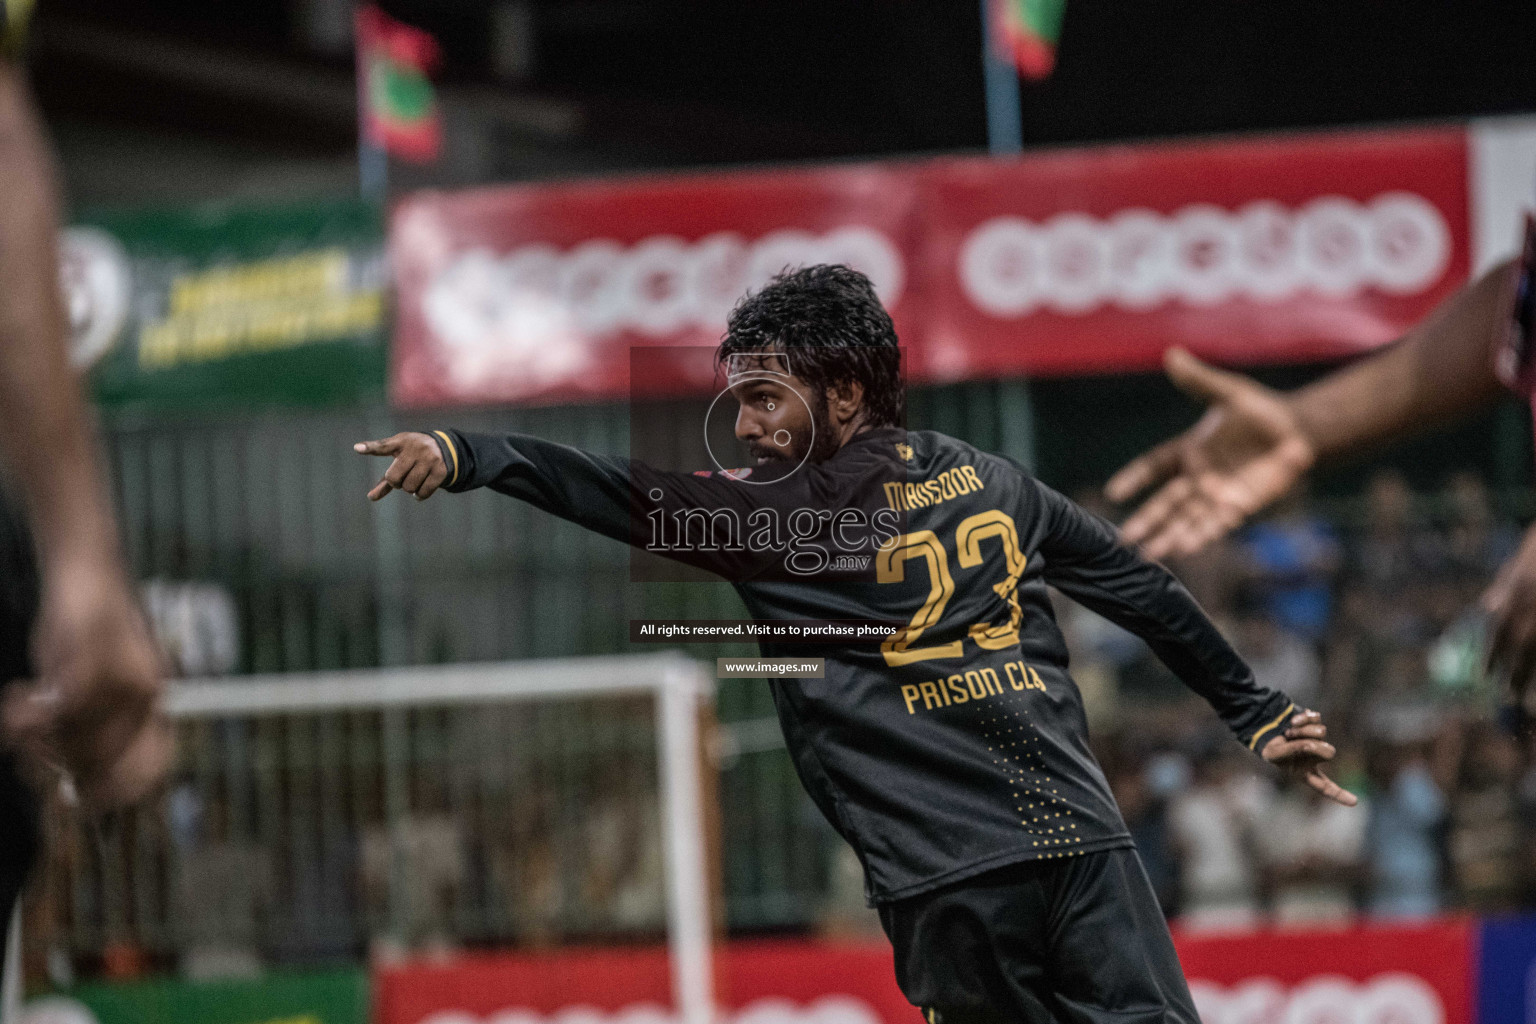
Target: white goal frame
681	687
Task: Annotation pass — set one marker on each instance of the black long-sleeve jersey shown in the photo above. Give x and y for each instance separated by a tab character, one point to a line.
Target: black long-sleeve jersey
959	742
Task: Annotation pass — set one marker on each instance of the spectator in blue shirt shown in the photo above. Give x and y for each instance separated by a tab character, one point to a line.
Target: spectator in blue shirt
1293	556
1403	836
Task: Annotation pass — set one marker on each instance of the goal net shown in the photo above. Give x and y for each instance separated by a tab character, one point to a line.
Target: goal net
404	812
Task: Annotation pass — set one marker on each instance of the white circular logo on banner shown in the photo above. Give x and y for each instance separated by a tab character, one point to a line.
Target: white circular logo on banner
1268	265
1331	236
97	284
1203	255
506	320
1002	264
531	312
835	1009
1393	998
1140	259
1409	243
1076	263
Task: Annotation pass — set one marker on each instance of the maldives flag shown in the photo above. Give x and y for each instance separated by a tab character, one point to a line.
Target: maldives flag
1025	33
398	105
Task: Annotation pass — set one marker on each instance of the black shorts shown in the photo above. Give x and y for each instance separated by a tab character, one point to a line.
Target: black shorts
19	842
1079	940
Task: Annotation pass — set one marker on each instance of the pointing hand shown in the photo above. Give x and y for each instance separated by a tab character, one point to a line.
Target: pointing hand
418	467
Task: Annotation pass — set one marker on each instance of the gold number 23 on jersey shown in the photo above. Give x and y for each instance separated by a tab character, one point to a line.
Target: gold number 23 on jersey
890	567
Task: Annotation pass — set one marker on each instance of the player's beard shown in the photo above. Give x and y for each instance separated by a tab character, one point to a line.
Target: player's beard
822	447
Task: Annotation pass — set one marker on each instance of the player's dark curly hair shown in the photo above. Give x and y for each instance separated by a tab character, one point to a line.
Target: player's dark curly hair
828	320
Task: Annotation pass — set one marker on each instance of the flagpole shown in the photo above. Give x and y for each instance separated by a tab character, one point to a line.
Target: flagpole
372	171
1005	129
372	160
1005	137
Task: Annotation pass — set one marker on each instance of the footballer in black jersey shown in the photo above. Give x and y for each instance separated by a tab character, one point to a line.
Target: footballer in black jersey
952	754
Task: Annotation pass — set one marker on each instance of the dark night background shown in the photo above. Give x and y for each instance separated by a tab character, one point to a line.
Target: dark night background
690	82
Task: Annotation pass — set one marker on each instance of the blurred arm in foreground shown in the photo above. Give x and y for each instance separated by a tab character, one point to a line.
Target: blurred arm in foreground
1253	444
92	709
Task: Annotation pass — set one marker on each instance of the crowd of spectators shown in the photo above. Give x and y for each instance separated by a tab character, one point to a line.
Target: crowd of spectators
1372	619
498	836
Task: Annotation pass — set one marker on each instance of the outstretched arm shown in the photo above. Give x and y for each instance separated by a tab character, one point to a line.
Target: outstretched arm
1085	560
1442	369
619	498
593	491
1253	444
99	674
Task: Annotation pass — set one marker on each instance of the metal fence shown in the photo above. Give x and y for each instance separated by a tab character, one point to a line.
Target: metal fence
270	507
313	816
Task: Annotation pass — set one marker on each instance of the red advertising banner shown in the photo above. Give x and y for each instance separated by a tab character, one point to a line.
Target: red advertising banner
1379	975
538	292
1283	249
771	982
1419	974
1288	248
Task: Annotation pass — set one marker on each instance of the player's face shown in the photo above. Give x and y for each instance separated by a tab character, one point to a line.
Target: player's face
775	418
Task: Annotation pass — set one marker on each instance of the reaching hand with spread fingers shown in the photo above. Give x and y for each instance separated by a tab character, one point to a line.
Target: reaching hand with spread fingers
1246	451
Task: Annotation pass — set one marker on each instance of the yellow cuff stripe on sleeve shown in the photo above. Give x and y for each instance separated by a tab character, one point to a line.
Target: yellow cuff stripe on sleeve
451	451
1253	744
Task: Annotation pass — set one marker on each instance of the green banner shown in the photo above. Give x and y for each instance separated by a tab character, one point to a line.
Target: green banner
333	997
228	307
